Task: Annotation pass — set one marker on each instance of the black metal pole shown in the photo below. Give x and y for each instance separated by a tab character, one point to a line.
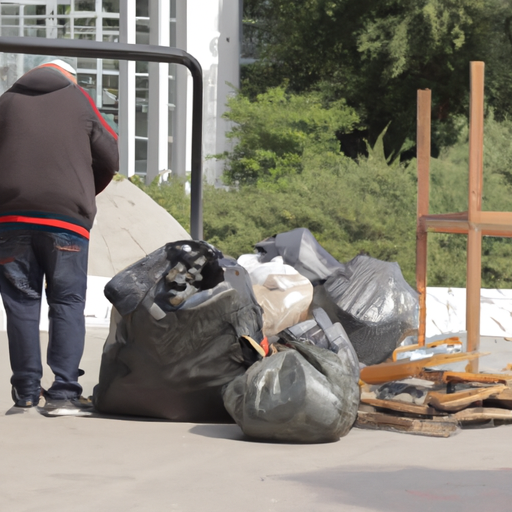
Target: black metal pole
137	52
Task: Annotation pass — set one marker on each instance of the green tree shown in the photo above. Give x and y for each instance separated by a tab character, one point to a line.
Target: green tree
377	54
273	132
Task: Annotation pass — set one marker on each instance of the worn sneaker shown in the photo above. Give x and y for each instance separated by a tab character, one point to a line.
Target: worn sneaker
23	400
68	407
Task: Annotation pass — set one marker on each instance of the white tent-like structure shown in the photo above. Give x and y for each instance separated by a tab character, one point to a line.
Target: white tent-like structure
128	226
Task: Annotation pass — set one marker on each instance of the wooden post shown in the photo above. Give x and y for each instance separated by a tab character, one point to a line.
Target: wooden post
423	163
474	249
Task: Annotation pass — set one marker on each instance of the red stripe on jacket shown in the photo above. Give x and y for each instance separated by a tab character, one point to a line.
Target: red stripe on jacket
98	114
47	222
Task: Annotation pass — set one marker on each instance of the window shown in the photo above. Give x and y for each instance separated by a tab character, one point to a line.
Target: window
111	6
85	5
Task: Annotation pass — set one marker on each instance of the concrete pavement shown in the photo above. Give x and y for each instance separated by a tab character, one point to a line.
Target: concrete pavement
129	464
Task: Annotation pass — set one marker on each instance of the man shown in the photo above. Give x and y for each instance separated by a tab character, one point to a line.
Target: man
56	154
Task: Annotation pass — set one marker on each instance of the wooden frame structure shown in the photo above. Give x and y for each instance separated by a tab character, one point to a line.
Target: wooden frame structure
474	223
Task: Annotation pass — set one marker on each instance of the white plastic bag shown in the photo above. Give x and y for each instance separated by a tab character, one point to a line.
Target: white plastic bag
285	300
283	293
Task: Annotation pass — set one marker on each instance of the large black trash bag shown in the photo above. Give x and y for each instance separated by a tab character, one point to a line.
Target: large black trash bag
173	349
305	394
300	249
373	302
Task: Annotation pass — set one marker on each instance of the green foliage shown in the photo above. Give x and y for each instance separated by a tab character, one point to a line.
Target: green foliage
275	131
377	54
497	159
362	206
412	35
258	77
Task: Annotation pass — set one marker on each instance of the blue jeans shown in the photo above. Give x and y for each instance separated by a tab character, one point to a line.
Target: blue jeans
26	256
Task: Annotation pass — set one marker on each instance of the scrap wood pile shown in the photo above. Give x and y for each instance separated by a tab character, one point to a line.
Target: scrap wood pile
410	396
279	341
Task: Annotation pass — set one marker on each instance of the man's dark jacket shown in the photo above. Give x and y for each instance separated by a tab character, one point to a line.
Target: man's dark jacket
56	152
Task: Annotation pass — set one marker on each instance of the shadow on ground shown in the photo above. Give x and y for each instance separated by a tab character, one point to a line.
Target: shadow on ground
410	488
219	431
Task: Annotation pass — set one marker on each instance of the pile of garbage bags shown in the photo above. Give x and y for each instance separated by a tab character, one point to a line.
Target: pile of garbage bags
370	298
170	351
273	341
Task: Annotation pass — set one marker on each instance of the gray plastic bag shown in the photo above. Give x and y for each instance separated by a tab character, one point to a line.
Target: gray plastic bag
373	302
300	249
302	394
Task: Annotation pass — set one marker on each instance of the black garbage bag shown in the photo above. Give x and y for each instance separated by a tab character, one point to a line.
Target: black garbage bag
320	331
299	249
179	318
302	394
373	302
185	258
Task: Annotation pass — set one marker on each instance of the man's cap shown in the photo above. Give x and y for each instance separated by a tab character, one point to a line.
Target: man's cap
64	65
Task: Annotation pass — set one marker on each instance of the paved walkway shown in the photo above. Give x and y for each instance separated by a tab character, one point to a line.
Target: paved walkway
100	464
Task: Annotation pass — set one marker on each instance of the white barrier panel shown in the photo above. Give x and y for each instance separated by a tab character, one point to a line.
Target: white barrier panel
446	311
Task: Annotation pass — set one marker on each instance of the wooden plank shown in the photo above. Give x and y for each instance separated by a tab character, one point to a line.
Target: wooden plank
437	427
495	222
502	399
490	223
423	121
474	240
456	223
490	378
431	375
459	400
482	414
454	340
476	138
399	406
506	394
399	370
473	286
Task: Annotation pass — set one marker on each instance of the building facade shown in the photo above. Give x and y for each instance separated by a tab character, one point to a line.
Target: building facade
148	104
